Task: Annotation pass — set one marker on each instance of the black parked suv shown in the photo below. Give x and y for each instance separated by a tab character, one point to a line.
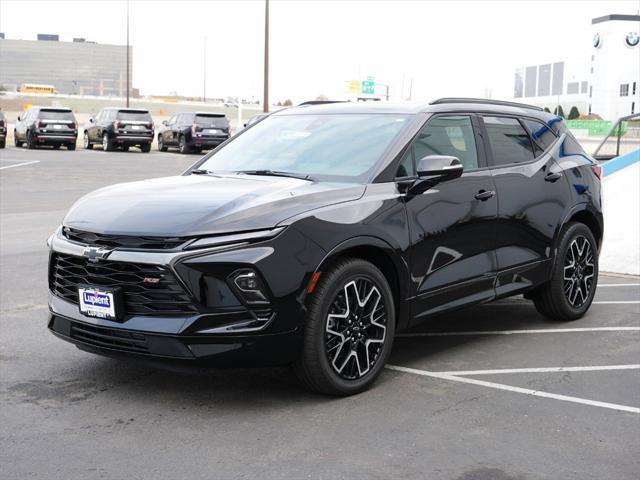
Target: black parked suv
3	129
119	127
315	235
193	131
46	126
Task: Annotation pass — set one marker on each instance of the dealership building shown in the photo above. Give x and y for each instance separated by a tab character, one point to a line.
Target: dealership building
605	81
78	67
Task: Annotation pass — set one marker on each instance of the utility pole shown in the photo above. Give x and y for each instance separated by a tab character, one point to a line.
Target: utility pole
265	106
204	73
128	86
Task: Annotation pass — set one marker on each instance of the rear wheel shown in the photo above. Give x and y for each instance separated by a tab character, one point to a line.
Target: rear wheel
71	146
570	292
3	143
182	145
107	145
56	146
31	142
16	142
145	147
349	329
125	148
86	143
161	146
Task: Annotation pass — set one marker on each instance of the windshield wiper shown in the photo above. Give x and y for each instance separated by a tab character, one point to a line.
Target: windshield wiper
277	173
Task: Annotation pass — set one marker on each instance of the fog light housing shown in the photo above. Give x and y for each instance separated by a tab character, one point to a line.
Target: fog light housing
249	287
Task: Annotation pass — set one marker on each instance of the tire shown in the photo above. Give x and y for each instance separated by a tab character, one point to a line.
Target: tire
56	146
145	147
107	145
31	143
333	350
71	146
17	143
569	293
86	143
161	146
3	143
125	148
182	145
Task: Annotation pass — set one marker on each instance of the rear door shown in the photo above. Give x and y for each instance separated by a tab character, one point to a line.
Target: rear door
532	198
453	224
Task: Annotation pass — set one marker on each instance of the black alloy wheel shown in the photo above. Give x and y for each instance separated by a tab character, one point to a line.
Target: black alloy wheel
349	329
569	293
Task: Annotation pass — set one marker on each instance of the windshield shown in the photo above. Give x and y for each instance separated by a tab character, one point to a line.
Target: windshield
334	147
212	120
137	116
55	115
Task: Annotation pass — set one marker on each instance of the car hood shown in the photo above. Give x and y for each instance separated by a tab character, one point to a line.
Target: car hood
196	205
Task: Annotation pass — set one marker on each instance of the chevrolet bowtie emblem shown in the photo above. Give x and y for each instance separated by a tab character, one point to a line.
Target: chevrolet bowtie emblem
95	254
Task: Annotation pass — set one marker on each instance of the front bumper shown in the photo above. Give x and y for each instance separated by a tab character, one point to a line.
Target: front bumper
218	333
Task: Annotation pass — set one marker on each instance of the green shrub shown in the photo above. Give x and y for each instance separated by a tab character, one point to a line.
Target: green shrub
574	113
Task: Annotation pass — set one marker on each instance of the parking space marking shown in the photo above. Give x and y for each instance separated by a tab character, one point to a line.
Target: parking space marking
622	302
524	302
517	332
20	164
510	388
595	368
618	285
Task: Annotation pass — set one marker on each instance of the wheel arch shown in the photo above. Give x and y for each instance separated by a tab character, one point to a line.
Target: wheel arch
381	254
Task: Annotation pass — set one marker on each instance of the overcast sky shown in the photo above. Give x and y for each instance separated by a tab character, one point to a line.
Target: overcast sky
451	48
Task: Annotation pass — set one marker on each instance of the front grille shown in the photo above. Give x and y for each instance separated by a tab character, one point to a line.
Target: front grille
166	297
123	241
110	338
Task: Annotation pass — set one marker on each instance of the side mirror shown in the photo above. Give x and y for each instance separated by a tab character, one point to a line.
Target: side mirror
434	169
165	123
19	119
91	120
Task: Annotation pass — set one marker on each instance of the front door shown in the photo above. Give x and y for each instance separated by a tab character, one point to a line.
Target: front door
453	224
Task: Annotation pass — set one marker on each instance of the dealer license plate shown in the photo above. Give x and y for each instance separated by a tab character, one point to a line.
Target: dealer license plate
97	302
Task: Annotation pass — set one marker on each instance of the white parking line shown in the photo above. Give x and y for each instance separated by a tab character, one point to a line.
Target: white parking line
516	332
500	371
526	303
622	302
618	285
20	164
509	388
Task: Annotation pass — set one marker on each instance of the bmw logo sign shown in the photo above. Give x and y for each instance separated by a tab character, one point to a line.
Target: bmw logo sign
597	41
632	39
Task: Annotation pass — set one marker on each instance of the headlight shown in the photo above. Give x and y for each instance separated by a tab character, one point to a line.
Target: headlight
249	287
234	238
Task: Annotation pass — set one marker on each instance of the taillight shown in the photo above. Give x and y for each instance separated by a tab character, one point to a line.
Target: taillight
73	125
116	125
597	169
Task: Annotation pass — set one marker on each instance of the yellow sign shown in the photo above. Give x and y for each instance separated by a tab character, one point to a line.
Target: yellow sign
355	86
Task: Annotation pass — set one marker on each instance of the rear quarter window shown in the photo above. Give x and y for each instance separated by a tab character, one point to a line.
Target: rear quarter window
541	134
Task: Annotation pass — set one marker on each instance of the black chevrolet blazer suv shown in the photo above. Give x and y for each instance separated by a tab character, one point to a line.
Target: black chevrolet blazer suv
315	235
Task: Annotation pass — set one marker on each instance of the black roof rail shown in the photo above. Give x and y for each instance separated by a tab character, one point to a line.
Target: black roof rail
321	102
485	101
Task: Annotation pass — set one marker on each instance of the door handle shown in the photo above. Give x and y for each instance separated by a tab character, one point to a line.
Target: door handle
484	195
552	176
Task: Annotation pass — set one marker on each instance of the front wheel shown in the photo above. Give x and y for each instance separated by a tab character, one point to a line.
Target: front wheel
86	143
349	329
107	145
569	293
71	146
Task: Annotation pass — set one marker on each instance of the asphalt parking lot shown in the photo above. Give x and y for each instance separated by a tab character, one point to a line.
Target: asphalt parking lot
494	392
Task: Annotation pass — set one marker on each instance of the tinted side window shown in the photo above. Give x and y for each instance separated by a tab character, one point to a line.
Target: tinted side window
509	141
541	134
448	135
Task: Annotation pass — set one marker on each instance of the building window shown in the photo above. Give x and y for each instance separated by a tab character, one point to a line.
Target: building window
573	87
583	87
633	108
591	69
590	91
624	90
633	89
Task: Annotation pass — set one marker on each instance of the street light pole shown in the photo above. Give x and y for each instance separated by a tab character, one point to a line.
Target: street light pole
128	86
265	106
